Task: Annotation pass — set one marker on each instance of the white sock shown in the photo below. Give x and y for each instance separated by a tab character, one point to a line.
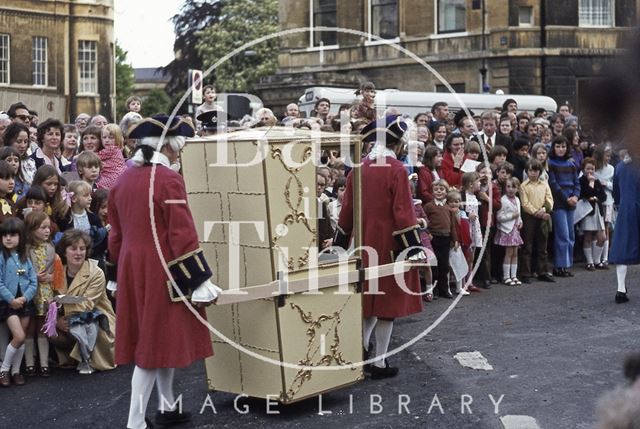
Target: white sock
17	360
597	253
43	351
459	286
141	386
29	352
367	328
514	271
383	338
8	358
621	273
4	338
164	382
605	251
506	271
588	254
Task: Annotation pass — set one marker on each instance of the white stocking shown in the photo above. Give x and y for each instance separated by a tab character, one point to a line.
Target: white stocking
141	386
17	360
367	328
597	252
621	273
383	338
164	382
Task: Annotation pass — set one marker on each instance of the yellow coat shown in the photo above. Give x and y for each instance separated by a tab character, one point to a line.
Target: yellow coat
90	283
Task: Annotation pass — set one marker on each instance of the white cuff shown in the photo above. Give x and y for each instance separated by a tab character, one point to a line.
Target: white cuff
420	256
112	286
206	292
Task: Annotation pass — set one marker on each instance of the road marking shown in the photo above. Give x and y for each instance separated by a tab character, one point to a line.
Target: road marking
473	360
519	422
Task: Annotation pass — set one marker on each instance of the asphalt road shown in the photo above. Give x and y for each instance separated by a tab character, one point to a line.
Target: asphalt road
554	349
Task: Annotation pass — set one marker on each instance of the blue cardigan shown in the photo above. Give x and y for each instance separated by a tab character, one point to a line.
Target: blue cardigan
10	280
563	181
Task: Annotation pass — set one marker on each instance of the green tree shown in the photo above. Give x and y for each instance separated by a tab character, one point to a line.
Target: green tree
124	81
157	101
194	16
241	21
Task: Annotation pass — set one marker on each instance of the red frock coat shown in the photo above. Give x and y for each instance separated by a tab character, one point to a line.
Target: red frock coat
425	179
387	207
452	175
152	331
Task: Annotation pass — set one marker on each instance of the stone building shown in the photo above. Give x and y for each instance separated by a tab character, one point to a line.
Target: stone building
57	56
549	47
148	79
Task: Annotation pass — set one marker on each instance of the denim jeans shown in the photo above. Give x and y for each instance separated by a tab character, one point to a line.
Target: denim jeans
563	238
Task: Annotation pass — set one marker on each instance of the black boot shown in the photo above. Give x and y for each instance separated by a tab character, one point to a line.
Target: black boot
171	418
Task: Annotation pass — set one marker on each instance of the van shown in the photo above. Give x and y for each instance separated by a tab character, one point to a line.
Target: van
413	102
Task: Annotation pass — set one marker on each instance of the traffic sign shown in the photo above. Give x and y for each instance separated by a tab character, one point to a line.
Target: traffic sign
195	84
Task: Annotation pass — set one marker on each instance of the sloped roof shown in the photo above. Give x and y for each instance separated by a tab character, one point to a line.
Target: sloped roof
149	74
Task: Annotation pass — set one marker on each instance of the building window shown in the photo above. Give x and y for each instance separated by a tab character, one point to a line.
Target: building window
525	16
383	18
87	59
452	16
4	58
39	59
596	13
323	15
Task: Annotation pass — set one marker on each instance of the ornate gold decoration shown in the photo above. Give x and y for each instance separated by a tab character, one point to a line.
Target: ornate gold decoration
334	355
294	192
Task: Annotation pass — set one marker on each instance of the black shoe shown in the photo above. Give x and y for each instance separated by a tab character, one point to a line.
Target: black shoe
546	278
148	423
526	280
621	297
485	284
494	282
446	294
171	418
567	273
378	373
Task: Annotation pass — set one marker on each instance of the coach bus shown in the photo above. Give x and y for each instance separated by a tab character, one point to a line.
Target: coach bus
413	102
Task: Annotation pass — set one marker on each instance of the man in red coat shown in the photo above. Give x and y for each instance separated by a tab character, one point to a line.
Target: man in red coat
159	268
389	226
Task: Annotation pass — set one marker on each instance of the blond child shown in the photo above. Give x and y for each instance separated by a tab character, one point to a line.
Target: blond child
113	163
508	233
444	235
42	256
537	203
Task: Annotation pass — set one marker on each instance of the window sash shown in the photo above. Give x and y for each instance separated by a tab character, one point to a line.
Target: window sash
452	16
384	18
87	67
39	59
525	15
596	13
324	15
5	43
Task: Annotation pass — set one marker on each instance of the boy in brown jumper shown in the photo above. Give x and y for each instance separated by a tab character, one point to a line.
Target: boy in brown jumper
442	228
